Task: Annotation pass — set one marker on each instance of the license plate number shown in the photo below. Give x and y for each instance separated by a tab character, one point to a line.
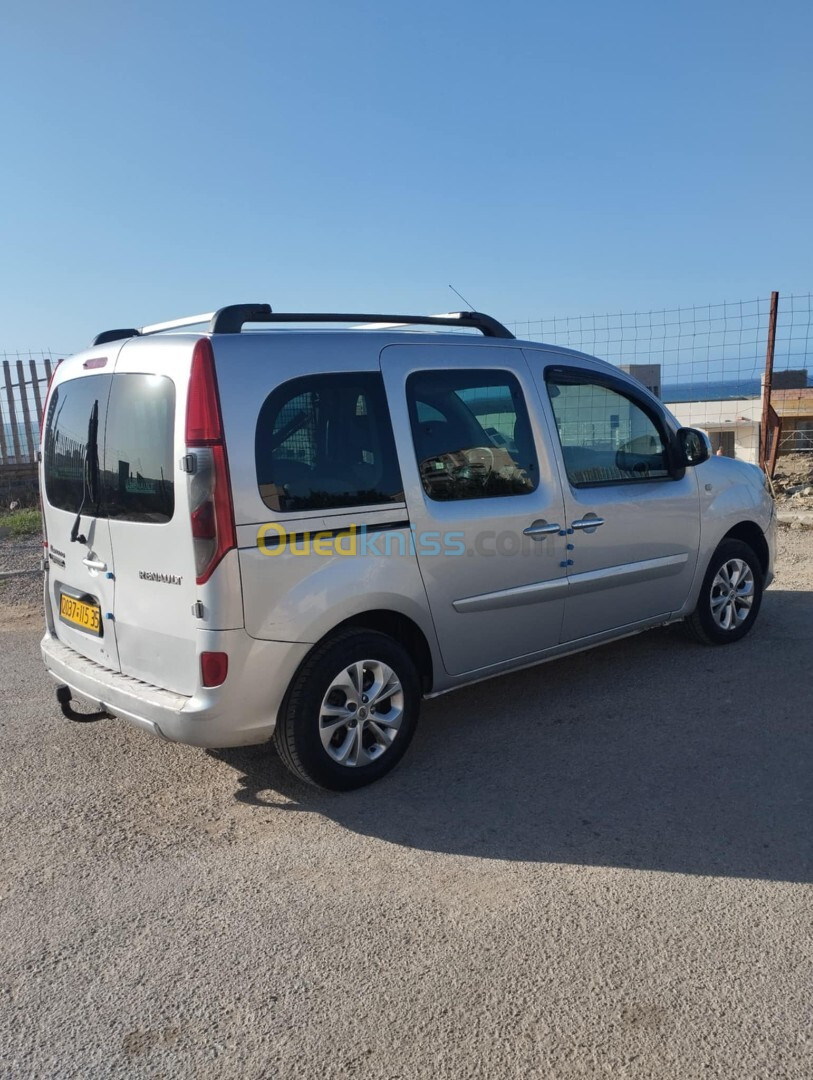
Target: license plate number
79	613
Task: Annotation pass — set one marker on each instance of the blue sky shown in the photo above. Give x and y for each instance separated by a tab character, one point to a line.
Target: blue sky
545	158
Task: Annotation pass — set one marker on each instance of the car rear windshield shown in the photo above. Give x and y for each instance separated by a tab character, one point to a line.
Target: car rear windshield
133	446
69	430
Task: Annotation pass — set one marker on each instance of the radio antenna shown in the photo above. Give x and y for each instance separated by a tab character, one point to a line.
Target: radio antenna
462	297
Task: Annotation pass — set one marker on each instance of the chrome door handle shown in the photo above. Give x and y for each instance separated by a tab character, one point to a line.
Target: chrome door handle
587	523
538	529
94	564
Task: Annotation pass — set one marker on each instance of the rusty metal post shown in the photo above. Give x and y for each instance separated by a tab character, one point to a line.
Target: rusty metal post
767	379
776	420
12	413
29	431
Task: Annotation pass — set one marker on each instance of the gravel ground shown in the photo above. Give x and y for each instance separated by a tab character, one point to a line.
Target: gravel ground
599	867
23	553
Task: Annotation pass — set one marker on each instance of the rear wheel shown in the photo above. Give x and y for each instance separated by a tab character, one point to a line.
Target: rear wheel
351	711
730	596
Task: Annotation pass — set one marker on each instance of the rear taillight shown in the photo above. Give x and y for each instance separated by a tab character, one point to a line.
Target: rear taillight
210	505
204	526
214	667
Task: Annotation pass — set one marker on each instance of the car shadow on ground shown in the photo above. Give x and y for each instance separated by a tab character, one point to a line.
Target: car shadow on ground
652	753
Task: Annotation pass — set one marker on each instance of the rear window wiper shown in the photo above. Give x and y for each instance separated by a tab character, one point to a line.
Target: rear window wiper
90	473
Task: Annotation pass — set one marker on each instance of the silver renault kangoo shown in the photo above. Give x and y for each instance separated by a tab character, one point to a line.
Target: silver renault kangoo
272	527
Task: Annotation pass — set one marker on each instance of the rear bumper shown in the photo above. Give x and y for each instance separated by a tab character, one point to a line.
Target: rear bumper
241	712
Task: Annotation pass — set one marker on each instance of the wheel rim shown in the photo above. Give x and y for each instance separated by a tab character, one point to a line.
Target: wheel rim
732	594
361	713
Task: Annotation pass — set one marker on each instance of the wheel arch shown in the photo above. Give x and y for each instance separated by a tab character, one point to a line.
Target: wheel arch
751	534
400	627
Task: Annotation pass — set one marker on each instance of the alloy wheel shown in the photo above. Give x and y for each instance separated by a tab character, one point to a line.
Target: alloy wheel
361	713
732	594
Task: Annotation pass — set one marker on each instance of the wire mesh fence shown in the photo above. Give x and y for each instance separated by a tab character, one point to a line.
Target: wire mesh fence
708	363
23	385
791	393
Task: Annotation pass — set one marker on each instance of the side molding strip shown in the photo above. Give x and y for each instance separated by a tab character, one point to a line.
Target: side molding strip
628	573
522	594
574	585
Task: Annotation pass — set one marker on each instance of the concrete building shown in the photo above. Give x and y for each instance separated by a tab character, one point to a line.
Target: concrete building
790	379
732	424
648	374
795	409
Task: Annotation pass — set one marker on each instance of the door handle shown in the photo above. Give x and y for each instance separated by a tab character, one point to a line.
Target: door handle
589	524
94	564
538	529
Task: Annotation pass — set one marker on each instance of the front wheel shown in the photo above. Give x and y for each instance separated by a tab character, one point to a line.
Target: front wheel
350	712
730	596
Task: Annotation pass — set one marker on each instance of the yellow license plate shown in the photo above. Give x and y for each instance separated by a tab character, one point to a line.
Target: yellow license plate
78	613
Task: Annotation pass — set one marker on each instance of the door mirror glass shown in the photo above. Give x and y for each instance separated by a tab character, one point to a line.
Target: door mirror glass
693	446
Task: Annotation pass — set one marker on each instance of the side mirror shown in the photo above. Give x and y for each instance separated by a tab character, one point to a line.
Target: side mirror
693	447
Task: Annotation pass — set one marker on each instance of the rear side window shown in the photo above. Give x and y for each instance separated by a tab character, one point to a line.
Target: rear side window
139	460
472	435
325	441
74	433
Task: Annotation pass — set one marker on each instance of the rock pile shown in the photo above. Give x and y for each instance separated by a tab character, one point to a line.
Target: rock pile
793	483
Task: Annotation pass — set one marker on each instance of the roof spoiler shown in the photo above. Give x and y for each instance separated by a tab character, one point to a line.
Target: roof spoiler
154	328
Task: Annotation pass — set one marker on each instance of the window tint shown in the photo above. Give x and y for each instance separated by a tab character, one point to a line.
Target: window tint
471	433
139	460
75	421
112	448
325	441
606	437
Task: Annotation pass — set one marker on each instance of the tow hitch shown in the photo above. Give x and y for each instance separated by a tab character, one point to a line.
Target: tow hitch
64	697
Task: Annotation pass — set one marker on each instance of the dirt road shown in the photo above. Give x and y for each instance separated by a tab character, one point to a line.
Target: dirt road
599	867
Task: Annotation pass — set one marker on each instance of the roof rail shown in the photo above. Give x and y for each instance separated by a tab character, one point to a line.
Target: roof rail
230	320
154	328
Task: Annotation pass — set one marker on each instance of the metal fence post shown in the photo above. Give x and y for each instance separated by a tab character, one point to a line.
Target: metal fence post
767	379
12	414
35	385
3	446
29	431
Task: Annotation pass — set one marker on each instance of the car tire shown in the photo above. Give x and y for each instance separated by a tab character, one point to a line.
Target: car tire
330	731
730	596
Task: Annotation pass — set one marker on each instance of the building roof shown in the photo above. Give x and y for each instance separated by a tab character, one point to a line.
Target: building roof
730	412
793	402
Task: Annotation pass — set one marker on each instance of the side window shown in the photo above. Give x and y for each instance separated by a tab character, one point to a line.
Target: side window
324	442
471	433
606	436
